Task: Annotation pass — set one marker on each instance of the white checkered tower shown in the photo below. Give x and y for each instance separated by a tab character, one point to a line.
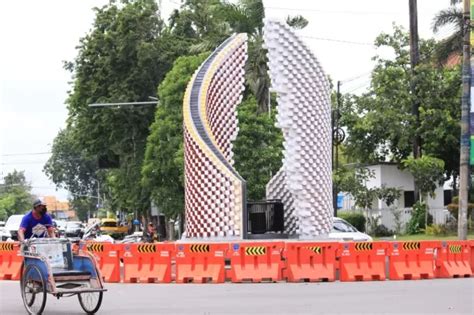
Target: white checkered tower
215	194
304	182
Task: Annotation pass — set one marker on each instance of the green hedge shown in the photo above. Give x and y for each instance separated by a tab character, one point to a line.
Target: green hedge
357	219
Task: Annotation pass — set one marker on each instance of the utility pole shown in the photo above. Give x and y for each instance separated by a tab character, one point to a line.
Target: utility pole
465	122
337	138
414	59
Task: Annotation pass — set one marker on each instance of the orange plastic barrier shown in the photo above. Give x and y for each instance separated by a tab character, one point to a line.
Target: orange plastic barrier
10	261
453	260
256	261
200	262
310	261
362	261
471	243
147	263
412	260
108	259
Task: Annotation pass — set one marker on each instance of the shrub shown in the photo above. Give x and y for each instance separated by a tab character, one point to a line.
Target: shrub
357	219
436	230
453	208
382	230
417	220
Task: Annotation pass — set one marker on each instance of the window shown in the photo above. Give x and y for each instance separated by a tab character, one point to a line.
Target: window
342	226
409	197
448	197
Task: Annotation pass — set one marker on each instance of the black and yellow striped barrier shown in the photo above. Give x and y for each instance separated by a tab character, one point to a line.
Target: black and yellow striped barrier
455	249
411	245
315	249
95	247
363	246
199	248
255	250
6	246
146	248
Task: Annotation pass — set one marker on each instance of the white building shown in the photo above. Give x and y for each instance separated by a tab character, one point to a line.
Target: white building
390	175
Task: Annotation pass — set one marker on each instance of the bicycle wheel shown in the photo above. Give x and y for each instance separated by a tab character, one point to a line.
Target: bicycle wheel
90	301
33	290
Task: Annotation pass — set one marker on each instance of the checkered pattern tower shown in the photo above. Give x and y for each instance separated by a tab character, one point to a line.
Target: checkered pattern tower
215	194
304	183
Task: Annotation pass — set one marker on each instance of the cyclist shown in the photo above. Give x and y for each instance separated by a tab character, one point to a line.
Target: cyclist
37	223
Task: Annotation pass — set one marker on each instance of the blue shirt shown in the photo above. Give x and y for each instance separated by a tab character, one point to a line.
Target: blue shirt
36	227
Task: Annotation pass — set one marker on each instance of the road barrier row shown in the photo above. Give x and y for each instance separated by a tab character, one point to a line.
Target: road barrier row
270	261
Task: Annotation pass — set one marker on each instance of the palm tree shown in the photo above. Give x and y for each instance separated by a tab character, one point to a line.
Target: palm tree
247	17
452	45
215	20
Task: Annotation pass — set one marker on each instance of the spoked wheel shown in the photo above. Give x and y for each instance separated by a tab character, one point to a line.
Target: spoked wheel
90	301
33	290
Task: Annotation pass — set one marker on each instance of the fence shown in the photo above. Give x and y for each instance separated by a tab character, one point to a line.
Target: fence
386	216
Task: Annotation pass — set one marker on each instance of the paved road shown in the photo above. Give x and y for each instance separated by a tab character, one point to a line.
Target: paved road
450	296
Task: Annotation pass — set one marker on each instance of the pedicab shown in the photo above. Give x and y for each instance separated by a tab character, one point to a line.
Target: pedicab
51	267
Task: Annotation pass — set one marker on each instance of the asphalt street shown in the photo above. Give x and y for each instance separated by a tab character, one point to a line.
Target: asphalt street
440	296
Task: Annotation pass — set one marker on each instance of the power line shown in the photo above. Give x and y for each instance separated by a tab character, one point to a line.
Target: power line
364	84
356	77
334	12
26	154
23	162
342	41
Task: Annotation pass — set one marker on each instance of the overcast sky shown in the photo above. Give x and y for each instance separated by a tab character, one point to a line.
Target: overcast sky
36	36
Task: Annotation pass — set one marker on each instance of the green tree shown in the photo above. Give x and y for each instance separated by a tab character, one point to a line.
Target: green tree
163	168
72	168
354	181
379	123
258	148
247	16
15	195
123	59
452	16
428	173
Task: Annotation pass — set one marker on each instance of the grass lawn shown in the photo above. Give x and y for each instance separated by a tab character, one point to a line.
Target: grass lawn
421	237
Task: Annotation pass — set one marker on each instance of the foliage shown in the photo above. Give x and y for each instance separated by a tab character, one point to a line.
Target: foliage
381	231
436	229
379	123
70	167
354	182
15	195
357	219
297	22
452	44
163	167
428	173
123	58
417	221
453	208
258	148
397	218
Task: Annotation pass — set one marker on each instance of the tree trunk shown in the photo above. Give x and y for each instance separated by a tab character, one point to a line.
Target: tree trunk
465	137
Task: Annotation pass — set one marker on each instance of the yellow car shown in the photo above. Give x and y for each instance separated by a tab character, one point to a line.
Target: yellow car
110	226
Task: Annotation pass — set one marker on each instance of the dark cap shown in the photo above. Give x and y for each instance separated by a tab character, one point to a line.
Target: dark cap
38	202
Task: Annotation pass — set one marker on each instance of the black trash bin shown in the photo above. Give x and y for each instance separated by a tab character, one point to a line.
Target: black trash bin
265	216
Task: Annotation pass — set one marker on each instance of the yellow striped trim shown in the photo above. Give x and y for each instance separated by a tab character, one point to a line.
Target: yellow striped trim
363	246
6	247
411	245
255	250
199	248
95	247
455	249
146	248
